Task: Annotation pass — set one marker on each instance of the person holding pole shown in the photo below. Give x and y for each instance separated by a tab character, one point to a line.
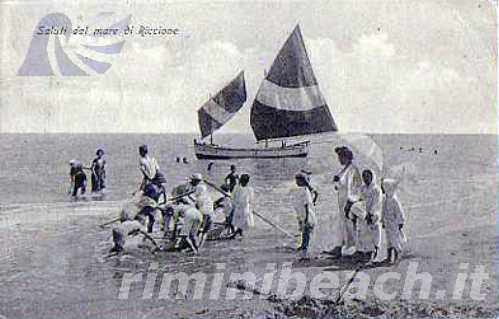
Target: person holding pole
305	213
264	219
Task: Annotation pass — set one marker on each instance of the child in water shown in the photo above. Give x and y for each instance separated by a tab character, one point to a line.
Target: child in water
78	178
393	221
98	172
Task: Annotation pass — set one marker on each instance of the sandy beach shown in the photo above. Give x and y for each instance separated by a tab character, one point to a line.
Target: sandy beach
53	265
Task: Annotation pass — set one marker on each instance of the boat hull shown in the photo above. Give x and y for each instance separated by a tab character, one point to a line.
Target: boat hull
208	151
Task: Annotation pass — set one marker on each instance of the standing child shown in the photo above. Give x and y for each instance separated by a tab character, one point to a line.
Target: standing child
371	194
98	171
393	221
305	213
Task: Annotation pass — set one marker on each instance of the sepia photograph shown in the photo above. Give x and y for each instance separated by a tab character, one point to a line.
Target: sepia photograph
260	159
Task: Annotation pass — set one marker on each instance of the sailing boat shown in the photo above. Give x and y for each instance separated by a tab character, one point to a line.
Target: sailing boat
288	104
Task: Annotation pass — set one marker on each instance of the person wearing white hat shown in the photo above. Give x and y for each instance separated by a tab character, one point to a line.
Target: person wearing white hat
203	201
393	221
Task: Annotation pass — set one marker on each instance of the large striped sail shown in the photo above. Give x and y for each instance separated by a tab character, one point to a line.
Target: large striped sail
223	106
289	102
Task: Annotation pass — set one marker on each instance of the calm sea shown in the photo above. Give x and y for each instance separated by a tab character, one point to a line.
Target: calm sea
34	167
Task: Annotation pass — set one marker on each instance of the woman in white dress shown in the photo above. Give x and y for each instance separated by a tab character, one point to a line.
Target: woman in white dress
242	200
347	184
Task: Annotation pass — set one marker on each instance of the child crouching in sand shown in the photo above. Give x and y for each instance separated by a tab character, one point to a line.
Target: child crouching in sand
393	221
129	227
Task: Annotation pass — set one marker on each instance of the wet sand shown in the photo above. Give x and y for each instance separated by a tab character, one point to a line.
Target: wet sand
52	265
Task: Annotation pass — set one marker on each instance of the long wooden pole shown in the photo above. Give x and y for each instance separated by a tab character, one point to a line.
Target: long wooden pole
180	196
274	225
254	212
109	222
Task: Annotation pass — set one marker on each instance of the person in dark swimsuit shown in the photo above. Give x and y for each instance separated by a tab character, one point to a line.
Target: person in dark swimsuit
98	172
78	178
232	178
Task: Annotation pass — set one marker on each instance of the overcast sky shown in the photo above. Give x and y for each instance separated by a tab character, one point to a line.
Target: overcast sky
383	66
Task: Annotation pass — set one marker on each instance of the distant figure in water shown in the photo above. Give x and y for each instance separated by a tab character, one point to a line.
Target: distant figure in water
435	152
178	159
401	148
232	178
209	166
420	150
185	160
78	178
98	171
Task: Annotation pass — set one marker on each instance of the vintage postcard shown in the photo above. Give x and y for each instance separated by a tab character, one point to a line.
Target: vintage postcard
248	159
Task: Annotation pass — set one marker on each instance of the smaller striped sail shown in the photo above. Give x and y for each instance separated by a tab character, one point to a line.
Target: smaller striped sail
223	106
289	102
